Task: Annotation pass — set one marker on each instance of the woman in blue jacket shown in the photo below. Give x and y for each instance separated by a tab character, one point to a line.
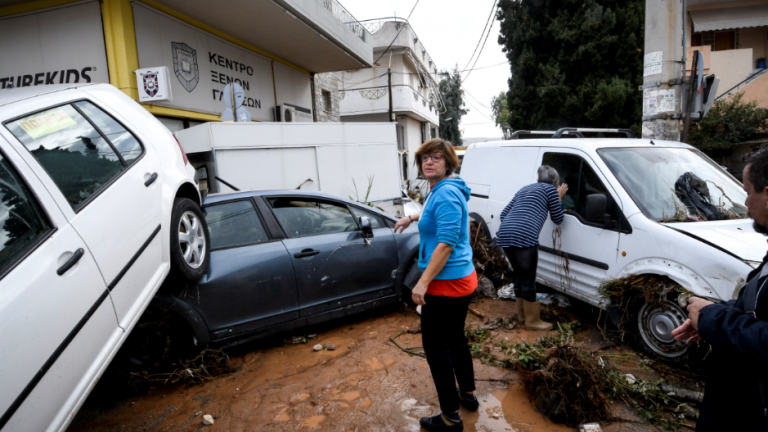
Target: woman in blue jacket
447	283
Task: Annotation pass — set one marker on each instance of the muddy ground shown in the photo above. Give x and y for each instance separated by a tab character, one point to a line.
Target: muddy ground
365	384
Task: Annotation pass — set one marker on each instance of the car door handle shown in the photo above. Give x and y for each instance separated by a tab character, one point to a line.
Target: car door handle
151	179
306	253
71	262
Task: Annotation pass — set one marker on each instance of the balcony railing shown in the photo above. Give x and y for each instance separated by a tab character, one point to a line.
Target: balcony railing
343	15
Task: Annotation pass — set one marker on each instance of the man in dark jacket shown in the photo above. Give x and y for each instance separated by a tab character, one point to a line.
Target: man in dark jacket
736	390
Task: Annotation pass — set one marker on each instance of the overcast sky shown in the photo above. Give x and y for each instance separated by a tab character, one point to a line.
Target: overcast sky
450	30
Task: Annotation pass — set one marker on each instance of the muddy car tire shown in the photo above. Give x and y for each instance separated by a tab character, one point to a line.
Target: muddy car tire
651	325
190	241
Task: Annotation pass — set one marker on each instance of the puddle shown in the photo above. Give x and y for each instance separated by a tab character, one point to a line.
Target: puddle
284	416
351	396
366	403
314	421
515	413
375	364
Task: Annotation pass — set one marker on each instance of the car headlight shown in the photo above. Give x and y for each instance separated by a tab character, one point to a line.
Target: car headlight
753	264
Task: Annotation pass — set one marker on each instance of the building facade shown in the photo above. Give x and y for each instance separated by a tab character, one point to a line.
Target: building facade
277	50
733	39
404	76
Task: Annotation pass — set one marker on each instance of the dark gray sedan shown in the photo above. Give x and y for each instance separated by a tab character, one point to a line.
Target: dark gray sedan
281	260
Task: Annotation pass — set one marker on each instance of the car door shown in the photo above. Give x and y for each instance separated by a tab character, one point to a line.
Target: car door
577	258
250	282
334	265
104	180
57	321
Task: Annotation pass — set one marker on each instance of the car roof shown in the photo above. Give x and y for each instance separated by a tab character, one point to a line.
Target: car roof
220	197
583	143
9	96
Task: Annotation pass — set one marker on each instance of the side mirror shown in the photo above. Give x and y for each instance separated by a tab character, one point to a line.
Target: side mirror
595	210
365	226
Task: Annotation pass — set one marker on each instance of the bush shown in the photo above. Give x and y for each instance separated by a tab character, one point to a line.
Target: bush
729	122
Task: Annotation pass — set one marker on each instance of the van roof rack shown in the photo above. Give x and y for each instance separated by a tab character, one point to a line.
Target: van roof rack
561	131
516	134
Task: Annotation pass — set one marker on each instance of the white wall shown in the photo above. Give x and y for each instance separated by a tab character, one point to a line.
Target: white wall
731	66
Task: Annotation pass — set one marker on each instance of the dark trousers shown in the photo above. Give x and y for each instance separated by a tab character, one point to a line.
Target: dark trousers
524	262
442	334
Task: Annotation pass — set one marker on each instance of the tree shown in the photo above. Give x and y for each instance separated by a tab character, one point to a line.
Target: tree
501	113
451	93
574	62
728	122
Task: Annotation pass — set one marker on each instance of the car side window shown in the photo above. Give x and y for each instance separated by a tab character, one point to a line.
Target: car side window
234	224
582	181
22	219
124	142
376	221
301	217
78	157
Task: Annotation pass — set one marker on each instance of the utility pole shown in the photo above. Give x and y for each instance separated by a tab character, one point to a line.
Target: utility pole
389	86
663	68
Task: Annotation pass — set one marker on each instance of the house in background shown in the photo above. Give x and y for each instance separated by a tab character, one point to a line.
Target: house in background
733	39
365	92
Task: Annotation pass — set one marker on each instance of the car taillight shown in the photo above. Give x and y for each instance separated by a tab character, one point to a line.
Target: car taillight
181	149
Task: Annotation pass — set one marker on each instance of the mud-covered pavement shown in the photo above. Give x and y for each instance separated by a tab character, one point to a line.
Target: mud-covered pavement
365	384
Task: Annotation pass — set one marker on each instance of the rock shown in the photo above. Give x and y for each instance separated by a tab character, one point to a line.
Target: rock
329	346
486	288
207	419
318	347
198	413
495	415
215	417
590	427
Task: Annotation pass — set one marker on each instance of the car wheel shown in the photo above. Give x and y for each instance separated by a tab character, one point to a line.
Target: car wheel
190	241
652	325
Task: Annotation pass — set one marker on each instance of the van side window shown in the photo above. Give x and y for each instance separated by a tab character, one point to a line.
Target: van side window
22	221
78	156
582	181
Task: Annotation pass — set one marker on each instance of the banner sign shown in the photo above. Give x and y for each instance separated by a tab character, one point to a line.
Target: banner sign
56	46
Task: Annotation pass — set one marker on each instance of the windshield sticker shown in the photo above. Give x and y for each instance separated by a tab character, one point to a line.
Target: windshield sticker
46	124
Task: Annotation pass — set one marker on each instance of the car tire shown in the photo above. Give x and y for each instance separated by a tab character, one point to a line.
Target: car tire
190	241
651	324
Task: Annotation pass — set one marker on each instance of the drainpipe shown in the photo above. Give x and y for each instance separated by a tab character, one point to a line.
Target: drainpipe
389	85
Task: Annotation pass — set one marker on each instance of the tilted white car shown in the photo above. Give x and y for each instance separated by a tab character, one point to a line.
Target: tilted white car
97	204
623	215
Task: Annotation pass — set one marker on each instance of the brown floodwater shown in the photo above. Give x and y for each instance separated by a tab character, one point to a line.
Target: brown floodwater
366	384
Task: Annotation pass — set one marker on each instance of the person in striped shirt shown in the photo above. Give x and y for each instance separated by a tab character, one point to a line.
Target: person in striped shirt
521	223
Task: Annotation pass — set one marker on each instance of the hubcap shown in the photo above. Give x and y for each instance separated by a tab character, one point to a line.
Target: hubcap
656	322
192	239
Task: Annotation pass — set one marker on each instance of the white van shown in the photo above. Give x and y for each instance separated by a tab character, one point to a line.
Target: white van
98	203
622	218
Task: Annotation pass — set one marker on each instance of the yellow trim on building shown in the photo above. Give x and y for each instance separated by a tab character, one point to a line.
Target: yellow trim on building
173	112
32	6
226	37
120	42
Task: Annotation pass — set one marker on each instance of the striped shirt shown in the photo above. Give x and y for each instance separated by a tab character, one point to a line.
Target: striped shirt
523	217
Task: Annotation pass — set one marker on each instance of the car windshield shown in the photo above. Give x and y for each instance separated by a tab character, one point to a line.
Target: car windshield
676	184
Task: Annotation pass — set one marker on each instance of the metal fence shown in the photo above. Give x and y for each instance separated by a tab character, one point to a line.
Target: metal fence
343	15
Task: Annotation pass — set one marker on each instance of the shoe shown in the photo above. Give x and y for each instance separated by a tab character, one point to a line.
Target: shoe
471	404
533	318
520	311
436	423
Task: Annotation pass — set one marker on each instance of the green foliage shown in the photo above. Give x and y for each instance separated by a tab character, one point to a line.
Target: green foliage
501	112
451	93
574	62
729	122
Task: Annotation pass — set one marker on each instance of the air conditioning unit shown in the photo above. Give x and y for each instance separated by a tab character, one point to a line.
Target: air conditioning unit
284	114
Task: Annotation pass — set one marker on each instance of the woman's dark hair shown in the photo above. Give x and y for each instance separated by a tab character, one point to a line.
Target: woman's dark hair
438	145
758	170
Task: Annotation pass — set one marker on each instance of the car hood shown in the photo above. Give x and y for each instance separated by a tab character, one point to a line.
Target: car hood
735	236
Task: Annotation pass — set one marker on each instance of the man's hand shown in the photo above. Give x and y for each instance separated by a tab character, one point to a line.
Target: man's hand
561	190
402	224
695	304
686	333
418	293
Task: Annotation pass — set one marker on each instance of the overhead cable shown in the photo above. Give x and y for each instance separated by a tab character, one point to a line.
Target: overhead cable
398	32
490	16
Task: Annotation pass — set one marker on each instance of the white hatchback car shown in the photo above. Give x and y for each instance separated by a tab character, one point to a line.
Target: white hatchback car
97	204
624	214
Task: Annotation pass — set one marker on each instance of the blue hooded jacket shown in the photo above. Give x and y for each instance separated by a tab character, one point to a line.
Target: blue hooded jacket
445	219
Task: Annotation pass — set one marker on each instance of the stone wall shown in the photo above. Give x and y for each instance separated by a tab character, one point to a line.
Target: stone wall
327	82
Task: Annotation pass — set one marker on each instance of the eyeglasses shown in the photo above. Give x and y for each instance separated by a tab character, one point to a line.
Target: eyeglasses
436	157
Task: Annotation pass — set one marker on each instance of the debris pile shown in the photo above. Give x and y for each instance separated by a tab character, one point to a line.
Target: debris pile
623	291
205	366
489	259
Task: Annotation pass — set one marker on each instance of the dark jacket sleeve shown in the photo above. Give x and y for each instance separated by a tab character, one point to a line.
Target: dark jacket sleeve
733	330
